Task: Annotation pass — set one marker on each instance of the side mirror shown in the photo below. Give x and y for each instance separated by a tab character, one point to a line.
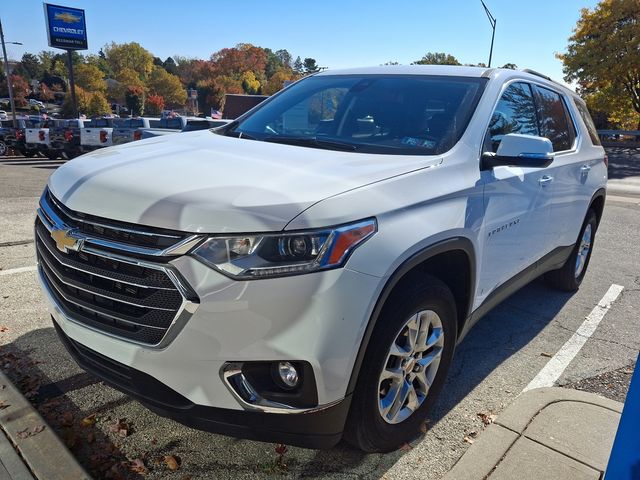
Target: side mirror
517	150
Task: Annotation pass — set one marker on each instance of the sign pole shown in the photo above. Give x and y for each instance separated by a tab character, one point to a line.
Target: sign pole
72	84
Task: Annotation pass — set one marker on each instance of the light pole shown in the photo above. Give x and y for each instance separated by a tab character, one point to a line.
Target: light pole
6	70
492	21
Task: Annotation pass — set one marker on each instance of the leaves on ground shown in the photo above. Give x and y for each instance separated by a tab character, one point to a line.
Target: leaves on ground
138	466
2	327
30	432
469	440
121	427
487	418
172	462
89	420
3	405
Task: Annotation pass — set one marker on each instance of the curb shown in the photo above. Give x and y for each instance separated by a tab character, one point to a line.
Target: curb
42	451
515	423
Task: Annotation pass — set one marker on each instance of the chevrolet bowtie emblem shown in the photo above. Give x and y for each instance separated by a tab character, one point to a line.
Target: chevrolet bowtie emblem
65	242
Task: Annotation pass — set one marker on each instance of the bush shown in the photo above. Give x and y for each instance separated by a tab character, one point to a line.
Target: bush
154	105
98	105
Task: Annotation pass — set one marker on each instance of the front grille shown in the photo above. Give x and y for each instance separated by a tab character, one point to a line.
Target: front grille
122	296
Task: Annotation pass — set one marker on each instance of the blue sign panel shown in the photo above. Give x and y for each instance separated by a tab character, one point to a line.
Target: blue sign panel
65	27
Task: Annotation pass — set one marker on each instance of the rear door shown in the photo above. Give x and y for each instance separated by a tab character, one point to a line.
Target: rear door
516	199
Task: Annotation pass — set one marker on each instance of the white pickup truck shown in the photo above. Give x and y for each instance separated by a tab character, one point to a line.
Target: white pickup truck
99	135
37	139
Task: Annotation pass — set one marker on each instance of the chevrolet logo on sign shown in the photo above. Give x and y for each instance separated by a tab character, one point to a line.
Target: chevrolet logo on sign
65	242
67	17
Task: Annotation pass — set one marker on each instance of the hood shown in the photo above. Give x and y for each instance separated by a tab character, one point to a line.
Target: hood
205	182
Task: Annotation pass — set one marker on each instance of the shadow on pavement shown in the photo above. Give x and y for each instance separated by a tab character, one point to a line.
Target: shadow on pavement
623	162
503	332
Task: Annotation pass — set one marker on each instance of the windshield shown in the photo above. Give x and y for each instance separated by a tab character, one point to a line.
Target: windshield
387	114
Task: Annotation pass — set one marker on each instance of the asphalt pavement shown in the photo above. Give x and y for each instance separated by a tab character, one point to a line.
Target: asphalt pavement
113	435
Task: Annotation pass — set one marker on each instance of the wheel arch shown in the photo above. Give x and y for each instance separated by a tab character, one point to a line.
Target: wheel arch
452	261
597	203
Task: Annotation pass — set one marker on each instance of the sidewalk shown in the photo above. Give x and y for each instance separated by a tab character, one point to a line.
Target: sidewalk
29	449
547	433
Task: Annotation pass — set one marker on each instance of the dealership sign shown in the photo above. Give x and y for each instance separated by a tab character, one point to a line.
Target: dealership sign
65	27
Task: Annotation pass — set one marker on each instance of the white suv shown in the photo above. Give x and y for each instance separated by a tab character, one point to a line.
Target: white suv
305	272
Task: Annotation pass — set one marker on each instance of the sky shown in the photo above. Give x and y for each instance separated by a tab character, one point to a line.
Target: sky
338	34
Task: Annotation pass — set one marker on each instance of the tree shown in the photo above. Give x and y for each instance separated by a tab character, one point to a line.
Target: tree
298	67
98	105
603	54
154	105
100	62
170	66
134	98
90	77
129	56
276	82
310	65
437	58
20	89
82	97
285	57
32	66
46	95
168	86
250	84
510	66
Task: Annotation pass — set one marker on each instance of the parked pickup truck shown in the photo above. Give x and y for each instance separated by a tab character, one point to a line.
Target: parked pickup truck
166	126
37	138
130	129
64	136
5	129
98	135
15	137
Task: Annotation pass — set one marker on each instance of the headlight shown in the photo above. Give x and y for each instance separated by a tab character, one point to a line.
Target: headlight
274	255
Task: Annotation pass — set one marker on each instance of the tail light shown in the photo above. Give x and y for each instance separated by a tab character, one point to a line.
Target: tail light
137	135
103	136
19	134
41	135
68	135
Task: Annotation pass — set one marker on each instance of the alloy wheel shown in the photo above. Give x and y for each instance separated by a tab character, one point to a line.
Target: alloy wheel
583	250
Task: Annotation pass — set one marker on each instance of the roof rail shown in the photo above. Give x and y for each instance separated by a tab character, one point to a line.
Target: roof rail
538	74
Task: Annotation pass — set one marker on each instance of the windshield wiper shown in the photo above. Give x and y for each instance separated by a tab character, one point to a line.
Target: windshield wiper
313	142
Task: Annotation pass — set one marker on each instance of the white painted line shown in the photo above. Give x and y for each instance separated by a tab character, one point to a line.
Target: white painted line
560	361
11	271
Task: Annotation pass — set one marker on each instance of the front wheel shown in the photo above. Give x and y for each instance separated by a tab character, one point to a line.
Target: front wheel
570	276
3	148
404	367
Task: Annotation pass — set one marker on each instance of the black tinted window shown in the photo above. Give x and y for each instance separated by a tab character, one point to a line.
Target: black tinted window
555	123
515	113
588	121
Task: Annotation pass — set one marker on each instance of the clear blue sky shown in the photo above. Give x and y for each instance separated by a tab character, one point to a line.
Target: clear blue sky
337	34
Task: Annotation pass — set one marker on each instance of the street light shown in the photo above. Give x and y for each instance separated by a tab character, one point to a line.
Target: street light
6	70
492	21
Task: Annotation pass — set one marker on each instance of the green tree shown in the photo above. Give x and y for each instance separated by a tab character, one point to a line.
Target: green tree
98	105
129	56
99	62
298	66
437	58
32	66
134	98
603	54
170	66
90	77
310	65
168	86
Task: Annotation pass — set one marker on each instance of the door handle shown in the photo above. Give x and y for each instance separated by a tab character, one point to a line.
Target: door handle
585	169
545	180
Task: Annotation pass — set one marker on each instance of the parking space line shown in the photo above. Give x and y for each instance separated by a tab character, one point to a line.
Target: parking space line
11	271
560	361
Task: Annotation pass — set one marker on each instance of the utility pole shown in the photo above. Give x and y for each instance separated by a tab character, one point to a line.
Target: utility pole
492	21
6	71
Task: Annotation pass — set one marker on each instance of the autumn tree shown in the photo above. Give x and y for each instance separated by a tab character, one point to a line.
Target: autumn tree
90	77
437	58
603	55
134	98
276	82
168	86
98	105
129	56
46	95
154	105
20	89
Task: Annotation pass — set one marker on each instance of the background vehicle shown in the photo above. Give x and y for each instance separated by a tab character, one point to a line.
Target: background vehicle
98	134
319	260
15	137
3	115
64	136
37	138
130	129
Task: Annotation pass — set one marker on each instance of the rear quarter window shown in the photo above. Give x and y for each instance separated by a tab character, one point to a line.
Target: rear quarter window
554	119
588	121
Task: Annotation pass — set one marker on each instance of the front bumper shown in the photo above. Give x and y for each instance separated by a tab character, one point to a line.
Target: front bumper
321	428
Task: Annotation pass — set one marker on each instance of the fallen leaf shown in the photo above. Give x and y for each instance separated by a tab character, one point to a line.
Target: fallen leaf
406	447
23	433
281	449
171	462
2	327
423	427
487	418
469	440
37	429
89	420
137	466
545	354
121	428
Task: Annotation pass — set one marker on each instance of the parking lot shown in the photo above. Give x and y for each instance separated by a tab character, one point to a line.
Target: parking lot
115	437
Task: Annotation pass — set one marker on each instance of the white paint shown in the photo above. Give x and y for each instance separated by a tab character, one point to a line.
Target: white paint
11	271
559	362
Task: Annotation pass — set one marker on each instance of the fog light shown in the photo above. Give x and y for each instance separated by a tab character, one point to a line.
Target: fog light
288	374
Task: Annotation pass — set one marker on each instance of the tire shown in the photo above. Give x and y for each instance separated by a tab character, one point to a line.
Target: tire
3	148
30	153
52	154
569	277
429	300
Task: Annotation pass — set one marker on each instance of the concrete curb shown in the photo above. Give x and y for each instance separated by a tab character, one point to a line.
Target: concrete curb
556	424
42	451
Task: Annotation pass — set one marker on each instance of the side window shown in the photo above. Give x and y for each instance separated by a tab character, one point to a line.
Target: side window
515	113
555	122
588	121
